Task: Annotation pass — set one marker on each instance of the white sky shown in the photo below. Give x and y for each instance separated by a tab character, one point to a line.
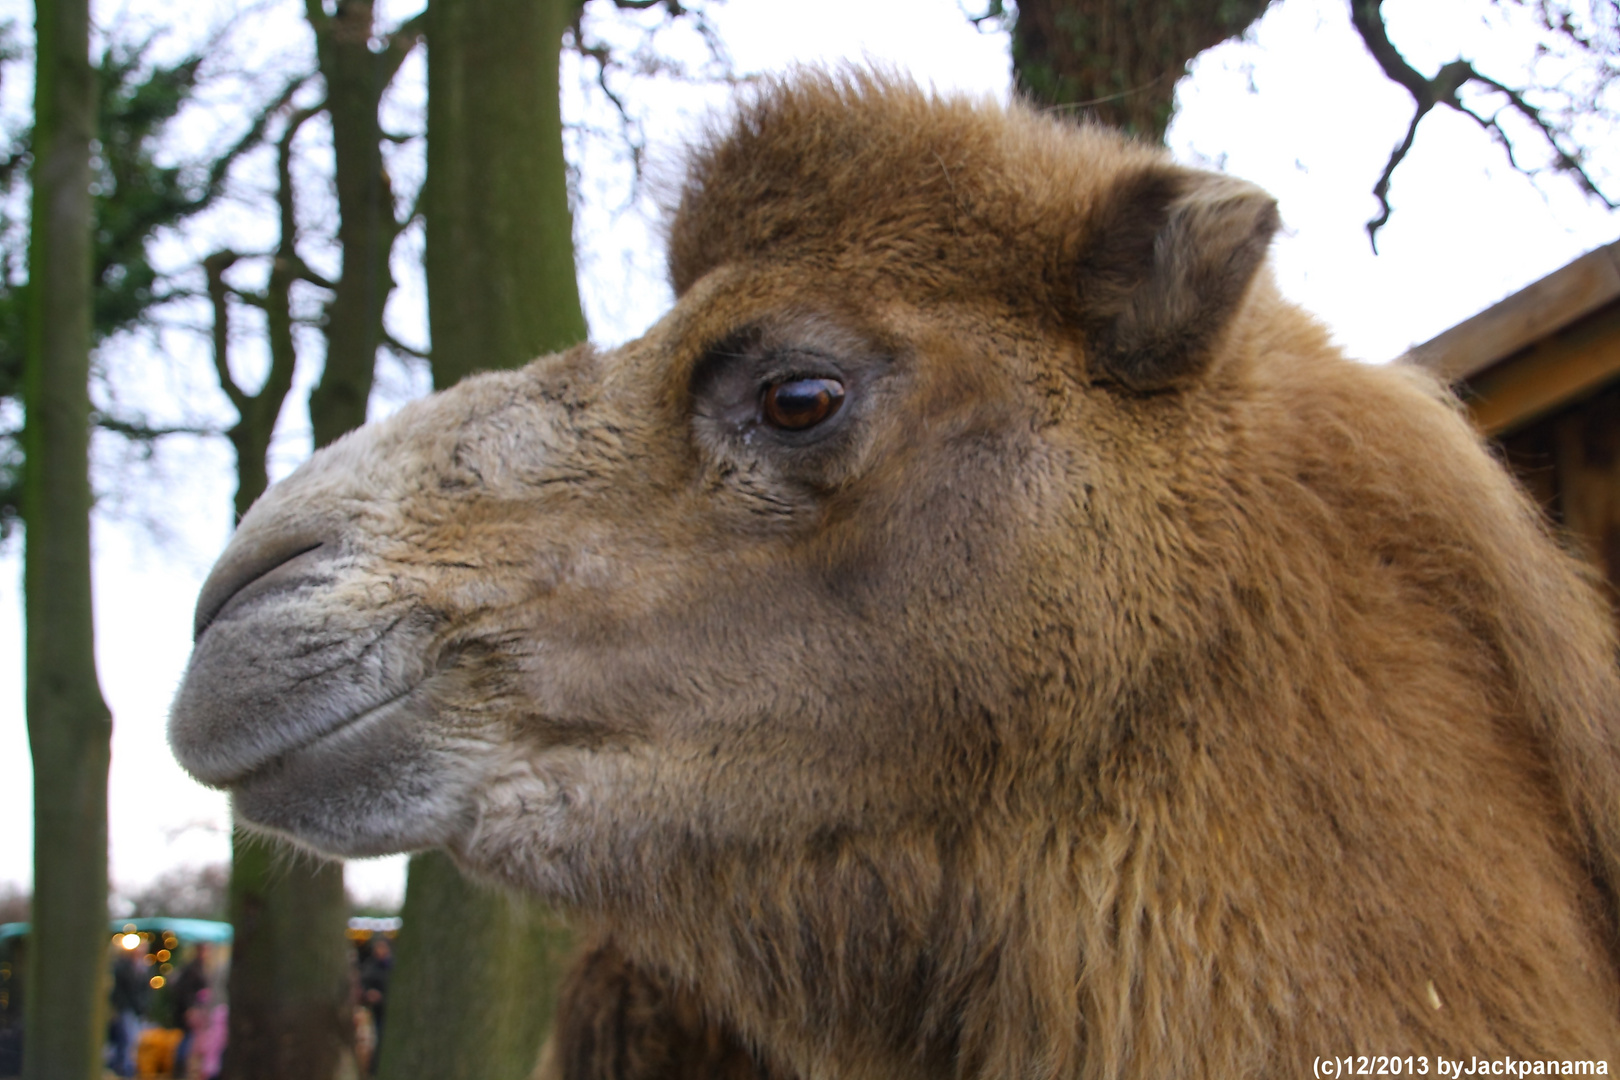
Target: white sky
1299	108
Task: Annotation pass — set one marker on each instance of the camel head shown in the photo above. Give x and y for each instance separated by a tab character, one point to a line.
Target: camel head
772	572
981	629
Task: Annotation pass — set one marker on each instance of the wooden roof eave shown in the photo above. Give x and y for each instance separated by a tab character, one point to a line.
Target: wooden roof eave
1546	345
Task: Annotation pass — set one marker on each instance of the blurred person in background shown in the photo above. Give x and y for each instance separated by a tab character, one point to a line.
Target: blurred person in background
206	1022
128	1000
192	980
375	968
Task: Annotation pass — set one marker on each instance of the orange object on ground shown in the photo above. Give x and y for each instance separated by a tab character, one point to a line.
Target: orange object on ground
155	1051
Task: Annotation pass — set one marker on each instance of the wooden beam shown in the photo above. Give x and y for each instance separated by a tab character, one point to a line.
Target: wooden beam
1561	369
1529	315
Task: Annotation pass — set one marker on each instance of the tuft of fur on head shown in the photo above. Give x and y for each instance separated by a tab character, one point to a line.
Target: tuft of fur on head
856	167
965	202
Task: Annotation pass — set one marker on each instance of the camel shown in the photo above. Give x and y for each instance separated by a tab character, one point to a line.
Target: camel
982	630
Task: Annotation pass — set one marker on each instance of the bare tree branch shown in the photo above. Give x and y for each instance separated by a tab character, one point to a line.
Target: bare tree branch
603	55
302	271
215	266
995	13
400	44
1445	88
142	432
254	135
644	60
1567	161
397	346
220	292
285	195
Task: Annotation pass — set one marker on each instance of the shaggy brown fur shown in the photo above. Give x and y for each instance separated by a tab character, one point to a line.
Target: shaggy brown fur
1119	683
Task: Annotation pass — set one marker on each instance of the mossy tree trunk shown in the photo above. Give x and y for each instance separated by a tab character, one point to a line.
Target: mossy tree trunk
476	969
289	985
500	240
475	980
69	727
1118	61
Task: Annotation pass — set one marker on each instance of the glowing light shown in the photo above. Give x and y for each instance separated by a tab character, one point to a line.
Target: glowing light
156	982
162	955
129	941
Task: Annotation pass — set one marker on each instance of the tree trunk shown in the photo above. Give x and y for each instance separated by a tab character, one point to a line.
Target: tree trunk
291	1016
475	979
291	999
476	974
1117	61
69	728
500	237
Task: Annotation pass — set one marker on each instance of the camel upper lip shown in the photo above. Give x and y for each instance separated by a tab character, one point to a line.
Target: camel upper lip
256	571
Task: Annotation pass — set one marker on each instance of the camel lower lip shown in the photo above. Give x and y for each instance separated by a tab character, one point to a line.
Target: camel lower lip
371	786
352	726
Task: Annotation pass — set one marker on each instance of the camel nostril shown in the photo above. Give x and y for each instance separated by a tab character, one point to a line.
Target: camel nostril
250	572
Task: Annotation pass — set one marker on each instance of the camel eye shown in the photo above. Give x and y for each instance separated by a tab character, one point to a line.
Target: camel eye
802	403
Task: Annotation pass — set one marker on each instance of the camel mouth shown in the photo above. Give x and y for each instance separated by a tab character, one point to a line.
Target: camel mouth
261	571
382	781
226	753
373	715
259	688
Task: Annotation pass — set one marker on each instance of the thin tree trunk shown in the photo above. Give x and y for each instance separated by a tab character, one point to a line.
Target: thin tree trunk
69	728
291	1008
476	971
290	987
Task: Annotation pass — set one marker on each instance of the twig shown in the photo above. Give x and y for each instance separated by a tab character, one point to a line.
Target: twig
215	266
393	343
132	429
994	11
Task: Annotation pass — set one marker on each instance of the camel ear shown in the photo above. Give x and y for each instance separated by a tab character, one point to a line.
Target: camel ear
1171	254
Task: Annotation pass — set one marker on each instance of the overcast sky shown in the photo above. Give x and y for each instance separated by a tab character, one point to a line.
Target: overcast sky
1298	107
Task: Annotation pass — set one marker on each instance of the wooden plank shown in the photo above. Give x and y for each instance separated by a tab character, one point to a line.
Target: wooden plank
1587	441
1534	312
1561	369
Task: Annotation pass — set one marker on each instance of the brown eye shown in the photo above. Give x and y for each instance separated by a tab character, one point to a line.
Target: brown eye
801	403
